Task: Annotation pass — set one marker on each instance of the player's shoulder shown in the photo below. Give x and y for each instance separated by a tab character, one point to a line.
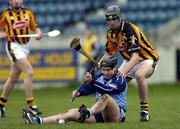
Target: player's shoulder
108	32
27	9
129	26
98	76
5	11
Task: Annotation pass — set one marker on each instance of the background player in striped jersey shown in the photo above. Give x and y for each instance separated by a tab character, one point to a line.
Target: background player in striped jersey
110	94
139	56
16	21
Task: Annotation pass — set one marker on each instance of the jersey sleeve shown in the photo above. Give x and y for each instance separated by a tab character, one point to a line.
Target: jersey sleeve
33	23
85	89
132	38
2	21
110	48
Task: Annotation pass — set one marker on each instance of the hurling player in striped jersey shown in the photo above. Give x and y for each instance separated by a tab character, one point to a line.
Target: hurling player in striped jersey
17	20
139	56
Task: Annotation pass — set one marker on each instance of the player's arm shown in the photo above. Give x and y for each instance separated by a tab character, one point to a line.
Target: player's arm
2	21
130	64
38	31
109	50
84	90
34	27
2	25
98	63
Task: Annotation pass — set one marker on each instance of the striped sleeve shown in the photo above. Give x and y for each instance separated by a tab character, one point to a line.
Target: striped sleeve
85	89
33	23
2	22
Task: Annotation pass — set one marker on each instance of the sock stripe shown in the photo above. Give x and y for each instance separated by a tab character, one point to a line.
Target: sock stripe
30	101
144	106
144	103
2	104
3	99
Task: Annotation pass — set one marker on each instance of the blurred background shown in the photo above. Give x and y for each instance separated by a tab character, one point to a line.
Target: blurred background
55	63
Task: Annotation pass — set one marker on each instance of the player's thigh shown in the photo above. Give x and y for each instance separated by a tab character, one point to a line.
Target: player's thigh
24	65
111	113
145	70
17	51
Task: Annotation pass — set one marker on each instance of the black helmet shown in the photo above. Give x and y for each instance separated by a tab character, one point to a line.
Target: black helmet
113	12
109	61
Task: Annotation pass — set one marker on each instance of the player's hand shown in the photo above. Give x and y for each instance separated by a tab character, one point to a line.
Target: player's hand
87	77
75	93
39	36
97	66
121	73
2	35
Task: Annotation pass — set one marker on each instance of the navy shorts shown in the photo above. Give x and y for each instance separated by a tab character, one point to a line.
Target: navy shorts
99	118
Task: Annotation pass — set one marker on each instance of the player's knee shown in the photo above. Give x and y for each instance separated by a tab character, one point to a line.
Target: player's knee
29	73
72	114
105	97
139	75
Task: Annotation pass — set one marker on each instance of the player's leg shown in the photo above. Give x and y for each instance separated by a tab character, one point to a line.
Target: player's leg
13	77
8	87
111	112
107	105
24	65
144	71
70	115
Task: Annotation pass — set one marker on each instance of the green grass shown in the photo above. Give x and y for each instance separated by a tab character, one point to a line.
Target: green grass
164	108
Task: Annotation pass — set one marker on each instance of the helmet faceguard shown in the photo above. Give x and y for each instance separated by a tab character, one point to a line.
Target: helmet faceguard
110	61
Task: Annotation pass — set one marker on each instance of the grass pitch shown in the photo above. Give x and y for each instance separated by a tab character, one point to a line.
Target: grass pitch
164	108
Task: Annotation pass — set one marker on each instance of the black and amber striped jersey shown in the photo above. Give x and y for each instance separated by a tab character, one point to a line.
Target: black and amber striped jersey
14	24
130	39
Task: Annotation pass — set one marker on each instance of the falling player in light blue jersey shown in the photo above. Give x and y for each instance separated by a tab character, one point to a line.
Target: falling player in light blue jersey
110	103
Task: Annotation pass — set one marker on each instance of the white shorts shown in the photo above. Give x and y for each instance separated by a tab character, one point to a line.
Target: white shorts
17	51
132	72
